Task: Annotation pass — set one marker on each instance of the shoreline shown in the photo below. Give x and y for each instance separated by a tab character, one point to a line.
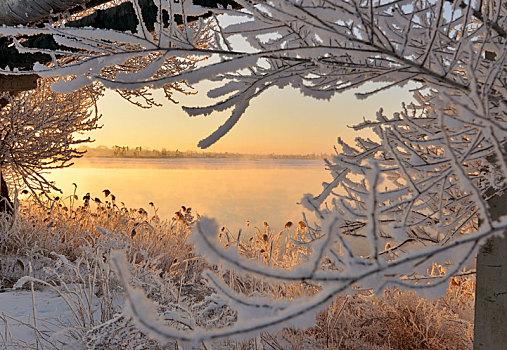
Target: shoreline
138	152
246	157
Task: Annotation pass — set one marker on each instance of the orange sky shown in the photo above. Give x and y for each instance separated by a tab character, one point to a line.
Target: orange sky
279	121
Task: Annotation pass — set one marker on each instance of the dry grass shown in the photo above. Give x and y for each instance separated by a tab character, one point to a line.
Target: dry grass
83	231
67	225
399	320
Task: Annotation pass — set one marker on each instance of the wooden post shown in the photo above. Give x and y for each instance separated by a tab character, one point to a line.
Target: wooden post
15	84
490	326
18	82
490	332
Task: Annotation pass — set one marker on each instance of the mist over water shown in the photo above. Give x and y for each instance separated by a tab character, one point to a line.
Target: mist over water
233	191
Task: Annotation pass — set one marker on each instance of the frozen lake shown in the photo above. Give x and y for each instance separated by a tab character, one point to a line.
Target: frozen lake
230	190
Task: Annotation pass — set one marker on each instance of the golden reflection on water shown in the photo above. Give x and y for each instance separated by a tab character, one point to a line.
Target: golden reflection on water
230	190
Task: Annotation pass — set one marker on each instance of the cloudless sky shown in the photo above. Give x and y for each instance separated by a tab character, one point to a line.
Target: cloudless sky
278	121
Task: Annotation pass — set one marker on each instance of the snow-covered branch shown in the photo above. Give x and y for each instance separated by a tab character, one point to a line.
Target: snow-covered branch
318	47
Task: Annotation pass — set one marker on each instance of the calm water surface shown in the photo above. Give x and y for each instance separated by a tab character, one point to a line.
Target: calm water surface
230	190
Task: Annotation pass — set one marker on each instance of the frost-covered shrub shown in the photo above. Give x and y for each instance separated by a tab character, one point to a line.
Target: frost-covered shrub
398	320
41	130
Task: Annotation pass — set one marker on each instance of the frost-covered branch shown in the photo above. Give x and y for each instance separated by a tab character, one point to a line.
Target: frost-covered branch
318	47
421	190
14	12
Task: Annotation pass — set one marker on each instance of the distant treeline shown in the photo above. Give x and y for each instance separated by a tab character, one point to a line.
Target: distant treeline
139	152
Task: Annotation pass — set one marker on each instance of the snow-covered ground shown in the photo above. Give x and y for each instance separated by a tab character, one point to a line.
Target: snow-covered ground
50	329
